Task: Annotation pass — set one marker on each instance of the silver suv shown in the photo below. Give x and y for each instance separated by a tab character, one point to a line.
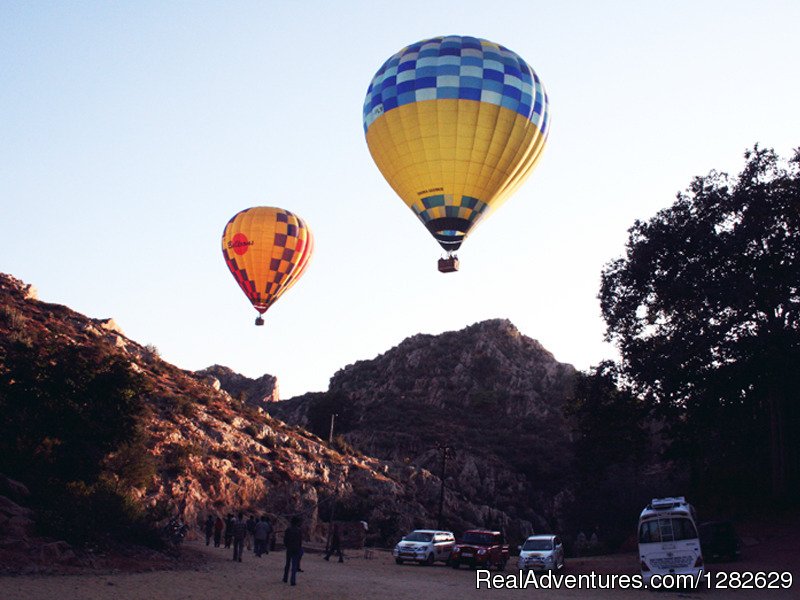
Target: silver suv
425	546
542	553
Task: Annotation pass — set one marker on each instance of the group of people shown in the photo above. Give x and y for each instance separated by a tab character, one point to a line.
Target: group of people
257	534
253	533
588	546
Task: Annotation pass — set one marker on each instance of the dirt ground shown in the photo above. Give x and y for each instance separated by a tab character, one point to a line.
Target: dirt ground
215	576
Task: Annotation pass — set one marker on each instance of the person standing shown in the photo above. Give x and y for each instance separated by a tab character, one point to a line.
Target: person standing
229	530
335	545
581	544
261	533
209	529
251	527
218	527
293	540
239	535
270	541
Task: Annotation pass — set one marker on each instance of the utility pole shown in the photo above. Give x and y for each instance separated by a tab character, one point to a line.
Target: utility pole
330	435
339	479
446	453
335	492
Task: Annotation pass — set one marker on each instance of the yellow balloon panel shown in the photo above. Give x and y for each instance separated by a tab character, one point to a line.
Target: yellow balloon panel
454	158
266	249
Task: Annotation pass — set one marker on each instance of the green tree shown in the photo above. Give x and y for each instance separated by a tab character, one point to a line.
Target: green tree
64	410
608	421
609	425
71	415
704	309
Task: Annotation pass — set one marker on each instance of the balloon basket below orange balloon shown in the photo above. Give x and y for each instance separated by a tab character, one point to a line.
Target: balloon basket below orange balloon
259	321
448	265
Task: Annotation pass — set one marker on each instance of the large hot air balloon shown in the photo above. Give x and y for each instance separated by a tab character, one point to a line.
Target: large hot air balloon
266	249
455	125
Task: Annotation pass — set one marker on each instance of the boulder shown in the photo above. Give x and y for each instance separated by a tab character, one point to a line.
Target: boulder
13	490
57	553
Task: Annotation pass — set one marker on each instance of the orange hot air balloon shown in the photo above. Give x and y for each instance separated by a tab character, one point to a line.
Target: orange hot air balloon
267	250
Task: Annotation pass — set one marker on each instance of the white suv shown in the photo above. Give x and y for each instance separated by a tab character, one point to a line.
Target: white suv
542	553
425	546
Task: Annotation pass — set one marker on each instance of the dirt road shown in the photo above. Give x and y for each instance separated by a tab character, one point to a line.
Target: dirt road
357	578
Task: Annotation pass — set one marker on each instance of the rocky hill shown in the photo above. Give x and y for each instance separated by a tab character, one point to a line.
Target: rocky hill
253	392
489	393
211	452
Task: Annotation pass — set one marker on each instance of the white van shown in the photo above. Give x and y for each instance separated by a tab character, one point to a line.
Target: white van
668	539
425	546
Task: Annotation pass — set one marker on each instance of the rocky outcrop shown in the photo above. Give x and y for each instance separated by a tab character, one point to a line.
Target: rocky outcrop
486	363
210	452
254	392
13	490
493	396
16	524
20	546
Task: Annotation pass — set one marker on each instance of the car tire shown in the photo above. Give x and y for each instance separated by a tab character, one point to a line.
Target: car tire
399	561
501	566
455	564
430	560
489	564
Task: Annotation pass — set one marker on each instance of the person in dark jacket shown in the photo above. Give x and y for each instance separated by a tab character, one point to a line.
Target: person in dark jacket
208	527
251	528
335	545
293	540
218	527
239	535
229	530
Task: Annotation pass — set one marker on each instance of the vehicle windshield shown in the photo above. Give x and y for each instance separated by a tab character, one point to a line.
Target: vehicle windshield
667	530
418	536
477	538
538	545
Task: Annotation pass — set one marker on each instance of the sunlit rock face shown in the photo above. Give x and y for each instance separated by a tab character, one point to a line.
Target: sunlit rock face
491	394
254	392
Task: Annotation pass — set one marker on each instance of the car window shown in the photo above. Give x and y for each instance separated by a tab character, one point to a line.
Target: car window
667	530
683	529
472	537
537	545
418	536
649	532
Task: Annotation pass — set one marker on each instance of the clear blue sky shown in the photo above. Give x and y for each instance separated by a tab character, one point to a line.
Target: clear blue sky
130	132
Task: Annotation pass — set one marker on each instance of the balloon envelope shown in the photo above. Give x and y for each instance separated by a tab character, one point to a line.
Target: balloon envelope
455	125
266	249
